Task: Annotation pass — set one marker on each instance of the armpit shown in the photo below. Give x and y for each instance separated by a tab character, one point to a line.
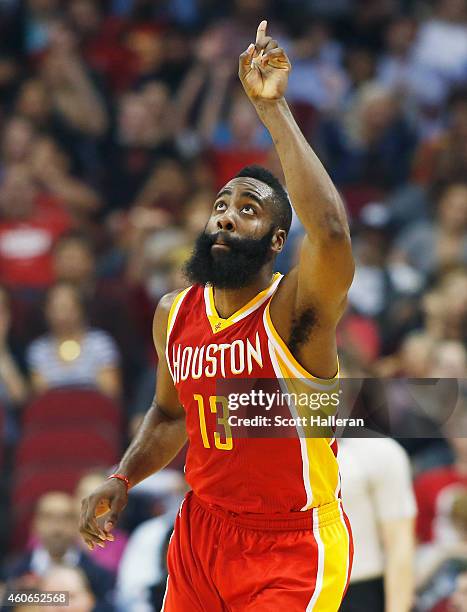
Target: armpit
302	326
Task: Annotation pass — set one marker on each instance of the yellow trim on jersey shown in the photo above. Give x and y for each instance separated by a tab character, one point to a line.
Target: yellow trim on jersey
174	310
319	465
333	539
171	322
218	323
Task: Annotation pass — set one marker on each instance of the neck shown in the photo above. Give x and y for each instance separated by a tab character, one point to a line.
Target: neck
228	301
69	334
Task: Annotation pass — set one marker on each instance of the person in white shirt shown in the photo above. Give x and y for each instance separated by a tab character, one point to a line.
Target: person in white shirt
378	497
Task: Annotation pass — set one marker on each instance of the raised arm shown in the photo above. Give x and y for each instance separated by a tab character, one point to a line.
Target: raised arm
326	267
159	438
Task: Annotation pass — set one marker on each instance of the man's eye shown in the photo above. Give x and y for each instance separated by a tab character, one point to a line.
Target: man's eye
249	209
219	205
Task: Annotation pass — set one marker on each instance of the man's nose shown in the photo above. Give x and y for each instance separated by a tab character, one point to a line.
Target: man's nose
225	223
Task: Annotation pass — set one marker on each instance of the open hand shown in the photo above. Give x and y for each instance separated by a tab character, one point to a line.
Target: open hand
264	68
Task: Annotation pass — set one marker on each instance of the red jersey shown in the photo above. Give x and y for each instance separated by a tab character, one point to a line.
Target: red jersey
249	474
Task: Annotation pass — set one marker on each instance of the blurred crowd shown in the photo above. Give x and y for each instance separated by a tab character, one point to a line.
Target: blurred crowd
119	121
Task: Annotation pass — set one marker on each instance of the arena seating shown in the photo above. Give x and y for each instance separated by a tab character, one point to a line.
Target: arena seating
65	433
84	447
72	407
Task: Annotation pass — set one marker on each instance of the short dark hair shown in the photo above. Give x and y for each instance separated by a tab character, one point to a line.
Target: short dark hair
282	212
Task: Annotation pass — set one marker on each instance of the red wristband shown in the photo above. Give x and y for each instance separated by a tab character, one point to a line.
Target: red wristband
122	478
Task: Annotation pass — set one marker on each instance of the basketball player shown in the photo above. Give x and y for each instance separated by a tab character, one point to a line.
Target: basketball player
263	528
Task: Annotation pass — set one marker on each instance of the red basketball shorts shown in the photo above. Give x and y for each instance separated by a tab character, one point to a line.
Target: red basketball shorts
220	561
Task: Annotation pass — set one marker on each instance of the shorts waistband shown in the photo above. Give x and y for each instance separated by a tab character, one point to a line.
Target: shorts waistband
321	516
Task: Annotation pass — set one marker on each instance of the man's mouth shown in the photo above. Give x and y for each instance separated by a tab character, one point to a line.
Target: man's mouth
220	245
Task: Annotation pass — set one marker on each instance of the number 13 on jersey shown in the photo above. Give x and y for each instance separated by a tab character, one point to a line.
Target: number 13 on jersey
222	420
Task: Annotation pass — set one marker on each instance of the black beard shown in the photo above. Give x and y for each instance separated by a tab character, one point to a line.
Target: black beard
233	268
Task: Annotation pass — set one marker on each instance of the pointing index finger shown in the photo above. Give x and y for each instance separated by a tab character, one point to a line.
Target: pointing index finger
261	32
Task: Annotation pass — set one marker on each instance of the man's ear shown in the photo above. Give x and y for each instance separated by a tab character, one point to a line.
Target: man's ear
278	240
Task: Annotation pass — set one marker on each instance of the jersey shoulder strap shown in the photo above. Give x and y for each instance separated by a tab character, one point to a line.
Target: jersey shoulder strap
174	310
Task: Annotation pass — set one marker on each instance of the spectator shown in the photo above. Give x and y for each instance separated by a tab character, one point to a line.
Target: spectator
62	98
166	189
359	336
55	532
433	246
73	581
449	360
442	564
368	22
39	19
360	64
141	138
379	501
317	78
421	89
72	353
51	169
34	103
158	589
395	68
30	223
18	137
379	283
453	287
441	44
100	38
75	99
437	488
153	263
372	148
445	307
239	141
414	359
233	139
136	583
109	302
443	156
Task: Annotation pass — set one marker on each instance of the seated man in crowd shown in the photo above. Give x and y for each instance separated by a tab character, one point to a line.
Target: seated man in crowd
55	534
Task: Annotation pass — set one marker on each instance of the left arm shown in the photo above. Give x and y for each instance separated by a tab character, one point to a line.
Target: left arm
326	256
